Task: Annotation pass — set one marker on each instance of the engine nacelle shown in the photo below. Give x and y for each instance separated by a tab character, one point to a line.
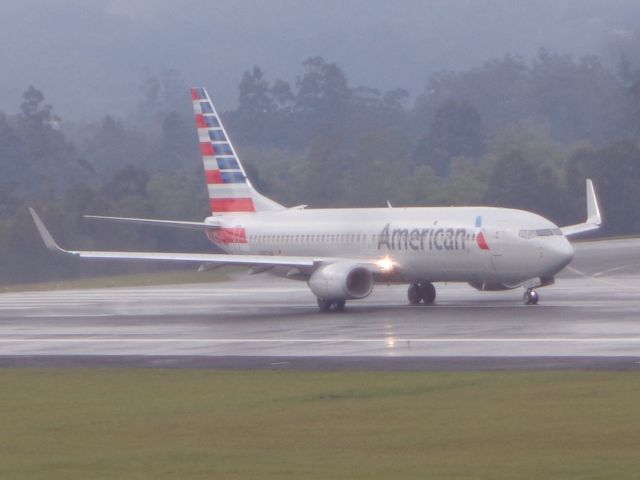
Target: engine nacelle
341	281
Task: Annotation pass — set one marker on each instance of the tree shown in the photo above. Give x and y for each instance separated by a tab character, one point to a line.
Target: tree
395	100
12	152
178	149
456	131
46	150
324	183
580	99
496	89
126	182
254	98
323	90
110	146
162	93
615	170
33	112
516	182
255	108
282	95
377	170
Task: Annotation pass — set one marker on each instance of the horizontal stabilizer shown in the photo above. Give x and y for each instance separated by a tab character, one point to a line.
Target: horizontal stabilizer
156	223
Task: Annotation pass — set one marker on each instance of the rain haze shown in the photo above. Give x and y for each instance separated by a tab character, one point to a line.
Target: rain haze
512	127
89	57
328	104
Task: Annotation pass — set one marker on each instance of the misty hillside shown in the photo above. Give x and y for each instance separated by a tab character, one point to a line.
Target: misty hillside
112	136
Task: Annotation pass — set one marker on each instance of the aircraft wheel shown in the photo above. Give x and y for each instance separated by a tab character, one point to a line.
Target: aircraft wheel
414	293
530	297
338	306
324	305
428	293
421	292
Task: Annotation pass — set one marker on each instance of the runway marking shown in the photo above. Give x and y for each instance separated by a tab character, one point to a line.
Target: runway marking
615	269
596	278
68	315
385	340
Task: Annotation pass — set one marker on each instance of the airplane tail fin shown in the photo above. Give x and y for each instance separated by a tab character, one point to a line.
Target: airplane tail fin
229	188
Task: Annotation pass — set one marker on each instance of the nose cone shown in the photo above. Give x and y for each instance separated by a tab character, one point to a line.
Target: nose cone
559	253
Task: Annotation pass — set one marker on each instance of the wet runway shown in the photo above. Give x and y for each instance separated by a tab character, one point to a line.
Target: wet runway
589	319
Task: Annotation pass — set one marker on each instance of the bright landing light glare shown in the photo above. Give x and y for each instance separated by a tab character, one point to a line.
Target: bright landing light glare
385	264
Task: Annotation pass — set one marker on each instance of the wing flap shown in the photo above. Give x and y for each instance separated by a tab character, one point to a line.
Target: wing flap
200	258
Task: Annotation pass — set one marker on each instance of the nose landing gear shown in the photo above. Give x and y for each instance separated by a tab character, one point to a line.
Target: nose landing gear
530	297
421	292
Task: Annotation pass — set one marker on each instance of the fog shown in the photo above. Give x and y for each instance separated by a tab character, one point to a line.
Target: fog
354	103
88	57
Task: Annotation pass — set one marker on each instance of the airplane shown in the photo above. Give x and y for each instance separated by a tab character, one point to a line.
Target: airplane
343	252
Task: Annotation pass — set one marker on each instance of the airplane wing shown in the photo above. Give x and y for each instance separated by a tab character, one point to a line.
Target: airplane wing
157	223
202	258
594	219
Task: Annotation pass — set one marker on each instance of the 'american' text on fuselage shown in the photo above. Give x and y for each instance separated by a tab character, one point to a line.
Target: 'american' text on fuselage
422	238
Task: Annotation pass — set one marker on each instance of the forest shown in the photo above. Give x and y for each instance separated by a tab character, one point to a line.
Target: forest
511	132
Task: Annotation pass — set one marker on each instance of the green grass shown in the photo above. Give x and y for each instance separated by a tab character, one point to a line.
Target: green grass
131	280
203	424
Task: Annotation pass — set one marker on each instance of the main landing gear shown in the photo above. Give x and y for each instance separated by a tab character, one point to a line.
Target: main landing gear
421	292
530	297
331	305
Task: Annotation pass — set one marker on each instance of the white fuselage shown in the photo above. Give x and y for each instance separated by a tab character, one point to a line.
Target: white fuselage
465	244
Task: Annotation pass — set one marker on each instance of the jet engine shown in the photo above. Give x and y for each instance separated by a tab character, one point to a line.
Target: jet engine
341	281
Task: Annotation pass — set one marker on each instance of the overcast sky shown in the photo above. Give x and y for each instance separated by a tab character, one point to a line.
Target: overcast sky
88	57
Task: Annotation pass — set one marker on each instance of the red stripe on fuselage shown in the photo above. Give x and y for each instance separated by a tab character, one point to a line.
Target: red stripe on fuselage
232	205
227	235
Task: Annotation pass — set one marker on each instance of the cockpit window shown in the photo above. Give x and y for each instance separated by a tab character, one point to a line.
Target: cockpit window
541	232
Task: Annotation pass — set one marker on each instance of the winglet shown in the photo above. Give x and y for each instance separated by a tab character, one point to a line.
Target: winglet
593	210
44	233
594	218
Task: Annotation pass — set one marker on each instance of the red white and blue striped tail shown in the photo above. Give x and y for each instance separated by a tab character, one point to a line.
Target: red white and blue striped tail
229	188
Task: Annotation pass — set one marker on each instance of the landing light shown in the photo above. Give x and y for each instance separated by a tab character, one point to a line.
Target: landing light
385	264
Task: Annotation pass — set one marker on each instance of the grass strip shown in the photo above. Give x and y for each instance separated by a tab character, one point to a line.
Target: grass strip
203	424
132	280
